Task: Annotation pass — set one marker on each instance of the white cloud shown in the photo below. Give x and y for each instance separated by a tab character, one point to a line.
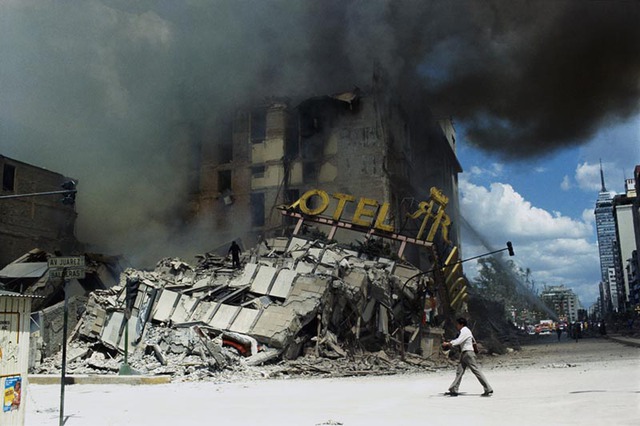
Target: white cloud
503	211
556	248
566	183
494	170
588	216
588	176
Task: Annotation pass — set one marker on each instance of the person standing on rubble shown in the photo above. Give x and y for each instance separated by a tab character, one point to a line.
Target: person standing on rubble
234	251
468	359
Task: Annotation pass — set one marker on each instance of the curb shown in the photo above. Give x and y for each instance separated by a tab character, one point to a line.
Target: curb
629	341
48	379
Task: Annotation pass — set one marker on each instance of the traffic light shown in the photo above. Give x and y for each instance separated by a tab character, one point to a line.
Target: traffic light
69	197
510	248
133	284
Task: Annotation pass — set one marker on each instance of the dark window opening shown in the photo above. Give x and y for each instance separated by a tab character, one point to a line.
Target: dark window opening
224	181
257	171
309	172
258	125
8	177
225	151
291	196
257	209
309	125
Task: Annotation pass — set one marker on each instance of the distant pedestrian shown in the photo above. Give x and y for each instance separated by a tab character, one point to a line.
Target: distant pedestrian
234	251
558	331
468	359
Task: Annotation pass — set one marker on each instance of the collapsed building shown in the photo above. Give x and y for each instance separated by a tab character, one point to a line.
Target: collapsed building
292	298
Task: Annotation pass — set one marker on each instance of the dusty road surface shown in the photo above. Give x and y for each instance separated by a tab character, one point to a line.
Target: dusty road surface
592	382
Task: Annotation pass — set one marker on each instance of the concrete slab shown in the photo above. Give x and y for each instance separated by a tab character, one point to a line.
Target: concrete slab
223	317
283	283
297	247
331	258
404	272
164	306
182	312
304	267
111	331
263	279
246	277
243	322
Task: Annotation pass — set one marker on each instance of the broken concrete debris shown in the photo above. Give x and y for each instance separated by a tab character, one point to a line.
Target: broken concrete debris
296	307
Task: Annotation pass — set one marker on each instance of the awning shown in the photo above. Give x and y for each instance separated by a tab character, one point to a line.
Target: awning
24	270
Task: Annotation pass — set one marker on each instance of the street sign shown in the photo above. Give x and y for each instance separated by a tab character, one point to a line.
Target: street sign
66	267
77	273
66	262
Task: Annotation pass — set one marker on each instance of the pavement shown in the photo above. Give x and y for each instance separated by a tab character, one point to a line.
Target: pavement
97	379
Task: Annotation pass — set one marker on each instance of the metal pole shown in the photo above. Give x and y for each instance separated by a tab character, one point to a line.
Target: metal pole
126	343
34	194
64	346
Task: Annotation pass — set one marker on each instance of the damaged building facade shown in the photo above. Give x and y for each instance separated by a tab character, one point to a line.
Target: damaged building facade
37	221
356	142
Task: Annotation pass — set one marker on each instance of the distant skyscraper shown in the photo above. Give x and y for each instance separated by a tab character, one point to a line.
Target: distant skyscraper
607	245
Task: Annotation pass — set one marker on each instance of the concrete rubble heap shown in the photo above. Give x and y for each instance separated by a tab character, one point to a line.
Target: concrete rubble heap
296	307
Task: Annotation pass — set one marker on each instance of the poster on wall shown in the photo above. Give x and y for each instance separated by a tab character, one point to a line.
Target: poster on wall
12	391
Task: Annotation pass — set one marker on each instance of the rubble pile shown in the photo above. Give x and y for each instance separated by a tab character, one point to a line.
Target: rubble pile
297	307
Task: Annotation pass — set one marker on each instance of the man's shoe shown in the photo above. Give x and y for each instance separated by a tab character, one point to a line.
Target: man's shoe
451	393
487	393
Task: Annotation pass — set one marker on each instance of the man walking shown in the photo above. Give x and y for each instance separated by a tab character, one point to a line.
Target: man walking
467	359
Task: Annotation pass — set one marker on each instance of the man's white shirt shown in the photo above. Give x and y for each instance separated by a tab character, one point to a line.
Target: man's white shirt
464	340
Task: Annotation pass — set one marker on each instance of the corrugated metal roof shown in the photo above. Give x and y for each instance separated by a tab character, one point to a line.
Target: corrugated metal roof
24	270
12	294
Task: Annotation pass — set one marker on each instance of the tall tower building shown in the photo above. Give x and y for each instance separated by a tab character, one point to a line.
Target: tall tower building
607	246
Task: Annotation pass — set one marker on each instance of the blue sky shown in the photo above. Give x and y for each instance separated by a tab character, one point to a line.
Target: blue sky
545	205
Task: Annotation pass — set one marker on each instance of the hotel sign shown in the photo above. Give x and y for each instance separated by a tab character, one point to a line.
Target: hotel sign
373	214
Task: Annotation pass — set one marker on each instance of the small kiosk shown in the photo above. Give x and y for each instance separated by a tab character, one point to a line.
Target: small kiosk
15	311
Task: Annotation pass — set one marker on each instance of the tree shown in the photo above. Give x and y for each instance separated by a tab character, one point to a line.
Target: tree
502	281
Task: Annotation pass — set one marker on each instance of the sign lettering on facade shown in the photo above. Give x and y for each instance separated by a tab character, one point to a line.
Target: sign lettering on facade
371	213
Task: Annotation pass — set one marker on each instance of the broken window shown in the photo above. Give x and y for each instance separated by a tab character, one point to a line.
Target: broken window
224	181
257	209
258	125
8	177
